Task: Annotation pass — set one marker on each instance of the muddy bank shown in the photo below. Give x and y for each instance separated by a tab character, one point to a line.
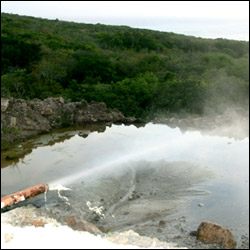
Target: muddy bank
21	119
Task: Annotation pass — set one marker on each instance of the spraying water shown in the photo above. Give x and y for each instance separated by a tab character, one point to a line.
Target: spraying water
117	163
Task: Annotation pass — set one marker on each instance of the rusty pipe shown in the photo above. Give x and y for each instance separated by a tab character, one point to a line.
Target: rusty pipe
23	195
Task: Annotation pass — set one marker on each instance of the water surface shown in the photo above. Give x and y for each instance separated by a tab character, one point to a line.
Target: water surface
138	174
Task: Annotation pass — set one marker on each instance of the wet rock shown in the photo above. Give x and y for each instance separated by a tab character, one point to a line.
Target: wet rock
211	233
71	221
76	223
89	227
162	223
103	229
193	233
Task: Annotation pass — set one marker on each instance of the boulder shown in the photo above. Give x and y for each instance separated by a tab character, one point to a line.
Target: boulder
212	233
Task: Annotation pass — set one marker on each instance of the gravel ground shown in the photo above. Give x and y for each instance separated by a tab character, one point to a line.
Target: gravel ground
22	228
25	228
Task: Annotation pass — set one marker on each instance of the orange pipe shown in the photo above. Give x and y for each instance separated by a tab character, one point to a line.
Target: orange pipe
23	195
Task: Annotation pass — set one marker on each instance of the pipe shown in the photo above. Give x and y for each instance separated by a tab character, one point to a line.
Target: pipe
23	195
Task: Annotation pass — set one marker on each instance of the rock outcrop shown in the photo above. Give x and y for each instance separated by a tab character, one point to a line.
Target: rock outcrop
21	119
212	233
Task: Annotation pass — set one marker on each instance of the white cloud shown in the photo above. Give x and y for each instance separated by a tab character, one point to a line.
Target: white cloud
209	19
57	9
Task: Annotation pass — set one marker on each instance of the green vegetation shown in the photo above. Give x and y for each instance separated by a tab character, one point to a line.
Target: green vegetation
16	153
140	72
5	144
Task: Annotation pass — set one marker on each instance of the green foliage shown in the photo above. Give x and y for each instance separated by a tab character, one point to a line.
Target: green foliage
175	95
91	67
5	130
5	144
134	96
17	53
12	84
140	72
127	39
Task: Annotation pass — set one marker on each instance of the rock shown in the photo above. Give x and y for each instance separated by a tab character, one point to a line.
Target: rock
61	100
162	223
193	233
211	233
131	119
47	111
4	104
38	223
89	227
76	223
30	118
13	121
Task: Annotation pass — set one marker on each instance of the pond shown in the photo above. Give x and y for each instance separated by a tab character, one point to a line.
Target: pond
150	178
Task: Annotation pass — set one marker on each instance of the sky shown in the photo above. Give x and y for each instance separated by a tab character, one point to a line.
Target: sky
208	19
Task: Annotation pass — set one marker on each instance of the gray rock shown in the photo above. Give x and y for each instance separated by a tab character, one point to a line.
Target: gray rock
13	121
4	104
47	111
41	116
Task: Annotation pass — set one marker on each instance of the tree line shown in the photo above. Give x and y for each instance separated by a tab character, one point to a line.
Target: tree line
141	72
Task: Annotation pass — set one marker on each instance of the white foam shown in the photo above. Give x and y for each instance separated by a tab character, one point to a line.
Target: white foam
58	187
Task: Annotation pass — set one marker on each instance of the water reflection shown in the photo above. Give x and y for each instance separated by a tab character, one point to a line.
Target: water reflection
66	152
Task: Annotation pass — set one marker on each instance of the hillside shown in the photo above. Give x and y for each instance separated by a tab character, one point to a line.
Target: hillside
140	72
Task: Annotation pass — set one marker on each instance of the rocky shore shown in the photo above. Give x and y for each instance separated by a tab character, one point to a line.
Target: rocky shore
21	119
